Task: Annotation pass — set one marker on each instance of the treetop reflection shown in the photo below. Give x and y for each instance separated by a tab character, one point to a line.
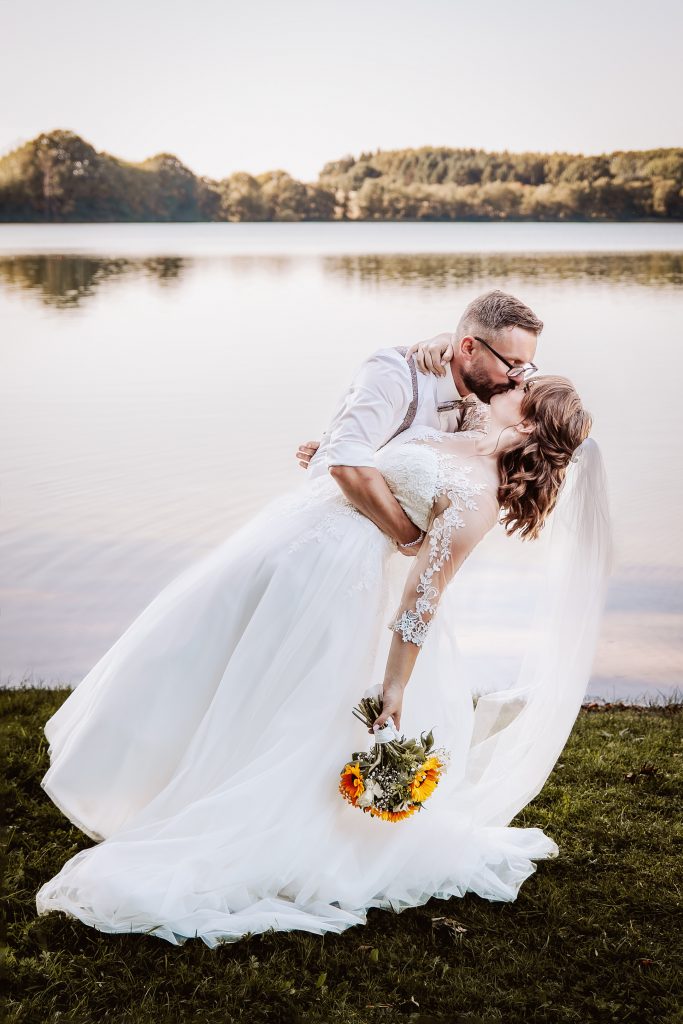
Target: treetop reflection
67	281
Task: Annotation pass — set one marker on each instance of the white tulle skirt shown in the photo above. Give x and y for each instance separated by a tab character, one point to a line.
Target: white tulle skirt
203	751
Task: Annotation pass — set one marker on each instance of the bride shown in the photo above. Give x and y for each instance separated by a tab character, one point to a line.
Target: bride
202	752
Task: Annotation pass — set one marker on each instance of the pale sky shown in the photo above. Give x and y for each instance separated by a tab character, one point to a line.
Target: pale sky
256	85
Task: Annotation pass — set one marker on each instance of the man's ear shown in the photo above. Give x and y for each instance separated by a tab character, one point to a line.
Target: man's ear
466	345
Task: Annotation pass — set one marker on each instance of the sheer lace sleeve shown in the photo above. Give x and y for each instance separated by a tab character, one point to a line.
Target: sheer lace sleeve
464	511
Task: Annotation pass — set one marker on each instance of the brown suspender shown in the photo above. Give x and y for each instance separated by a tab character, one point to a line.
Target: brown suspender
412	408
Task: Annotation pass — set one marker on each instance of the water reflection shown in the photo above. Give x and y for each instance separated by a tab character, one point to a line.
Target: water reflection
659	269
65	281
142	427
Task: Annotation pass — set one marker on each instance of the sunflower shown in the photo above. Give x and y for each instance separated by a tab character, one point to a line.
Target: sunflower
425	779
351	782
392	815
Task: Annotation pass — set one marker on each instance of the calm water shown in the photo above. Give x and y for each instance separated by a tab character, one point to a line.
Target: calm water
157	378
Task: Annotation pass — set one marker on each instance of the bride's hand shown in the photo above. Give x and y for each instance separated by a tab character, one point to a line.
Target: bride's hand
392	704
432	355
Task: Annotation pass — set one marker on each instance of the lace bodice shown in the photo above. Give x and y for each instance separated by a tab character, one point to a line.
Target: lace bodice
411	471
448	492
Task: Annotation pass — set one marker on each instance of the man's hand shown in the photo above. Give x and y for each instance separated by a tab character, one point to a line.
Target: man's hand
414	548
305	452
434	354
409	552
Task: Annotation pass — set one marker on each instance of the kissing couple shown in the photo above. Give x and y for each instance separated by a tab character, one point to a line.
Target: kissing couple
202	752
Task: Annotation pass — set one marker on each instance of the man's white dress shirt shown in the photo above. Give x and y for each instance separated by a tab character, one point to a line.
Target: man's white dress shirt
375	407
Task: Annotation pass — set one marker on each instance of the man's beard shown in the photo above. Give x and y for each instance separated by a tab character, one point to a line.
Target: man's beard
481	385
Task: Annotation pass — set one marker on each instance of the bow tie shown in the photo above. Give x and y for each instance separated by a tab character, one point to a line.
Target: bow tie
453	404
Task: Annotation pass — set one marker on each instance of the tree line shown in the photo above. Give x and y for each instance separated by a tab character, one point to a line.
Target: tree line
60	177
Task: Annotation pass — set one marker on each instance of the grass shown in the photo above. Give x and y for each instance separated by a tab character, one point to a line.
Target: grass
592	937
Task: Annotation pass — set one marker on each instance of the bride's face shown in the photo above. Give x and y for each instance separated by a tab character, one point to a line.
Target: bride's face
506	407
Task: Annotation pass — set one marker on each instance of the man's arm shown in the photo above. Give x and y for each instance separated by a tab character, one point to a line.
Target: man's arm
362	488
366	488
431	356
372	411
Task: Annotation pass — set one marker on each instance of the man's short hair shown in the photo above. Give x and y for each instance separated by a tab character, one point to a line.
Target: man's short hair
495	310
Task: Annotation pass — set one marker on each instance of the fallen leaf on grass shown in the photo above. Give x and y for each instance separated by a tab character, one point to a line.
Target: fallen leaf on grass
453	926
408	1005
648	768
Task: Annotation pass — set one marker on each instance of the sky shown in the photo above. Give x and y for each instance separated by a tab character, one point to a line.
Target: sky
257	85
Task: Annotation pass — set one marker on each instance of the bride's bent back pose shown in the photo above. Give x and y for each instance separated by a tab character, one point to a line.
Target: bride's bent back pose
203	751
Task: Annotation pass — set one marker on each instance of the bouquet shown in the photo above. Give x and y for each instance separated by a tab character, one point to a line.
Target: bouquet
393	779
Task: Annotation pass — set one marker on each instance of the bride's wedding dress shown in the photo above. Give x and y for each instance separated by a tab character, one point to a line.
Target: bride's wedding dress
203	750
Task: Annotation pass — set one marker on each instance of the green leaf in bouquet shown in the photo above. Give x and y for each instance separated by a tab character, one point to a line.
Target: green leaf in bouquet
428	740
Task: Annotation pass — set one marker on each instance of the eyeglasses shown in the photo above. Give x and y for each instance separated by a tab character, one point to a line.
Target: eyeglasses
524	371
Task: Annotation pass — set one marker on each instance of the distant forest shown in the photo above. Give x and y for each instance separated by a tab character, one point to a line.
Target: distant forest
61	178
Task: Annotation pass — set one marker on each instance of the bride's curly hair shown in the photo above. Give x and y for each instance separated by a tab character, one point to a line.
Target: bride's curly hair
531	474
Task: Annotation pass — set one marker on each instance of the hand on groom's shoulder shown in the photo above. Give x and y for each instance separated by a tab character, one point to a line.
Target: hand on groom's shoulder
434	354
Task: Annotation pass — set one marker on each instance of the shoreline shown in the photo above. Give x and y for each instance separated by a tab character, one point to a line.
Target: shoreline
671	704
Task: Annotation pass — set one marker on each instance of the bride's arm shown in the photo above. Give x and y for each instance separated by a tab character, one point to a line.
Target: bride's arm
452	536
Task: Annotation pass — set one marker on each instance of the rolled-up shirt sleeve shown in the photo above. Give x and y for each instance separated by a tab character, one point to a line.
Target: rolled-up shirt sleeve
372	410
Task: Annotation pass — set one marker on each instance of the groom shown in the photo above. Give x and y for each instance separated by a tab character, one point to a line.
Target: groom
490	351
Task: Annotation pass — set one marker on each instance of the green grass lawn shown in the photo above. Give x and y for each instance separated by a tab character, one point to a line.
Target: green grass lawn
594	935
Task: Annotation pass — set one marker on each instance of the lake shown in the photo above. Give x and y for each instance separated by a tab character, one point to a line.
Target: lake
156	379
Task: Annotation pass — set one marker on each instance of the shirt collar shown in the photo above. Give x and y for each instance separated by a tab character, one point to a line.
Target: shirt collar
446	391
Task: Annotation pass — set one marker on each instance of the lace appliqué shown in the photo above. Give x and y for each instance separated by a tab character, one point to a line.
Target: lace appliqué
373	571
452	482
425	433
476	419
327	525
411	626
